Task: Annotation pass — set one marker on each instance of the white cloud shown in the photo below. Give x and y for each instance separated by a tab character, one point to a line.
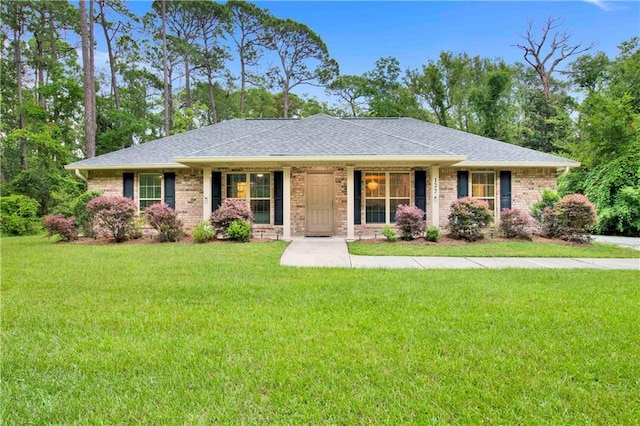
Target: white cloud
599	3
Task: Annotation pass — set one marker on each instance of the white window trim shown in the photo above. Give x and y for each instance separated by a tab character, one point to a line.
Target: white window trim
387	197
495	183
140	199
248	197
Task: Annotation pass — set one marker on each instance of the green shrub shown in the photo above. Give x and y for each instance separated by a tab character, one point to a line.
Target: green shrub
468	219
85	221
203	232
514	224
433	234
165	220
548	200
623	216
389	233
56	224
545	215
240	230
19	215
135	232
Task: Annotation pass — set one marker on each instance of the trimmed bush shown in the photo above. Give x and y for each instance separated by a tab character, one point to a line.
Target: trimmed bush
85	221
468	219
113	215
240	230
19	215
433	234
56	224
576	216
229	211
389	233
548	223
514	224
165	220
409	221
203	232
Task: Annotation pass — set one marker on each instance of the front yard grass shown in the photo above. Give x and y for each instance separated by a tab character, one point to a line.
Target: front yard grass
491	249
221	334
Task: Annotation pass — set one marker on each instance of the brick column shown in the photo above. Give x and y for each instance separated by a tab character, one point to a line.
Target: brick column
206	193
350	226
286	203
434	175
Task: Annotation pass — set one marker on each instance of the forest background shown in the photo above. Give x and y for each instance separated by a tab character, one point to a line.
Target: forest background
181	65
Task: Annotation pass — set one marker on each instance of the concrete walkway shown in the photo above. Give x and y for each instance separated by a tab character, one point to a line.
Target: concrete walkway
628	242
333	252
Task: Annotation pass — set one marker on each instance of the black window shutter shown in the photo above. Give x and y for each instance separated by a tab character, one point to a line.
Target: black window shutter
505	189
170	189
421	190
357	197
278	198
216	190
127	185
463	183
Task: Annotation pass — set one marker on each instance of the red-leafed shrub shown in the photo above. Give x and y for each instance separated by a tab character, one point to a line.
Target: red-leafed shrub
468	218
165	220
229	211
409	221
576	216
113	215
56	224
514	224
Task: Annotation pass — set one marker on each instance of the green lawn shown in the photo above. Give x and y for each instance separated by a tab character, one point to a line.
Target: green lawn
219	333
492	249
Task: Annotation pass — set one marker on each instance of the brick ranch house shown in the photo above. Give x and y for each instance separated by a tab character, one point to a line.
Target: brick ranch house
322	175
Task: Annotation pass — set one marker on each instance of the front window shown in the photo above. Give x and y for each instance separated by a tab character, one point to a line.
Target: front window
149	189
483	187
255	188
384	191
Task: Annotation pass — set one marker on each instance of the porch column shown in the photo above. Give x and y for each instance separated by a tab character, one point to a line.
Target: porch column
350	194
286	203
206	193
434	173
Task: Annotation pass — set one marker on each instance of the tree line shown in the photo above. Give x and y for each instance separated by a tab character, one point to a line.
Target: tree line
187	64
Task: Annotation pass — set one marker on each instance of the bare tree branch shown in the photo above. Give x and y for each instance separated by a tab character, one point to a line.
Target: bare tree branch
558	48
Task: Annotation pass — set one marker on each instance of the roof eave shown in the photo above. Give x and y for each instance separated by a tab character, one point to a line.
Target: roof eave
522	164
433	159
126	166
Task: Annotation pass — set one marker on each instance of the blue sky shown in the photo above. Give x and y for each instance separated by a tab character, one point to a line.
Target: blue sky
358	33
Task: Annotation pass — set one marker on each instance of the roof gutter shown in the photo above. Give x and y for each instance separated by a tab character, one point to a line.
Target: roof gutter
524	164
447	159
126	166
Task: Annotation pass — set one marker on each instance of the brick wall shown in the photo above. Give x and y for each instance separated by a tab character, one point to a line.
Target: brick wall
527	185
188	190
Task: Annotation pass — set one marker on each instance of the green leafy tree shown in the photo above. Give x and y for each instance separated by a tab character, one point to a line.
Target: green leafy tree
302	56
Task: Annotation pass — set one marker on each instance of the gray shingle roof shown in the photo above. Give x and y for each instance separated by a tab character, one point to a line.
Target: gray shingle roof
320	136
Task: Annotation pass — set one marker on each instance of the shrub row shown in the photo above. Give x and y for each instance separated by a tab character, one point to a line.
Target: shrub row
570	218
